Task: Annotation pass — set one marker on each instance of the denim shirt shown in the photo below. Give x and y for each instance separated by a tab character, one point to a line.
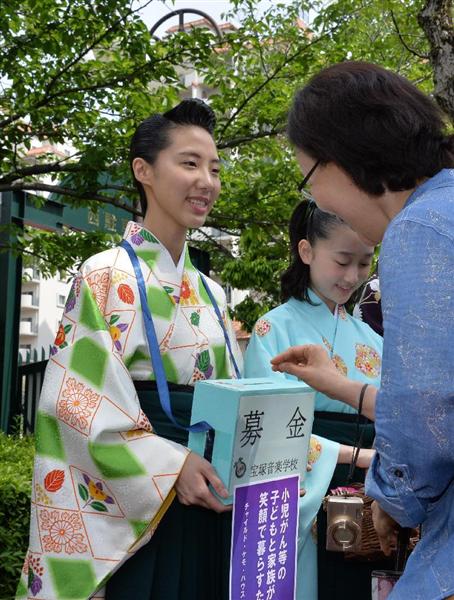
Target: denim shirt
412	475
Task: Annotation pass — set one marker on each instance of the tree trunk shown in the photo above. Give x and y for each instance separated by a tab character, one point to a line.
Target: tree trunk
436	20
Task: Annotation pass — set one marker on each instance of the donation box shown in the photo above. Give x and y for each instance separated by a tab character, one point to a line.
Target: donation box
261	428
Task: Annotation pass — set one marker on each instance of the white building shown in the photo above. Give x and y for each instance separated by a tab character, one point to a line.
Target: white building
42	303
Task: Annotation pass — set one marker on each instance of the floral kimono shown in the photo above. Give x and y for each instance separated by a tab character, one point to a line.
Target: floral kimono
354	348
103	479
356	351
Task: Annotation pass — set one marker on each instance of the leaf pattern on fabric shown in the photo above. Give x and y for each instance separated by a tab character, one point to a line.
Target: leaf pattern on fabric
94	494
125	293
148	236
203	360
60	341
195	318
54	480
116	330
34	571
204	365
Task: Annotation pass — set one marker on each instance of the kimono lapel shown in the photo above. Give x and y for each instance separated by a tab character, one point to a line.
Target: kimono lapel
191	340
324	322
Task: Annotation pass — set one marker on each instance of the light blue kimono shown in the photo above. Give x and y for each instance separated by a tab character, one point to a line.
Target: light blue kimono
356	351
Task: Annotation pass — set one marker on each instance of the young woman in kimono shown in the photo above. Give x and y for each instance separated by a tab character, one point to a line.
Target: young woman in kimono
115	490
328	264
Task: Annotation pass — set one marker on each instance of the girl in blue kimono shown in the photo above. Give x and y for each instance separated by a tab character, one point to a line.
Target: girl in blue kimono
328	264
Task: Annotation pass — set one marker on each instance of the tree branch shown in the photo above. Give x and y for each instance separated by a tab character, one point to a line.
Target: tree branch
57	189
213	241
268	79
249	138
403	42
86	50
38	169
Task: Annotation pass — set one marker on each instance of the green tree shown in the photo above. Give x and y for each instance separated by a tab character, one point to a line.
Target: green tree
88	72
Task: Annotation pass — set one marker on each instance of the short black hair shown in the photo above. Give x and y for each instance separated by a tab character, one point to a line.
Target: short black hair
310	223
152	134
376	125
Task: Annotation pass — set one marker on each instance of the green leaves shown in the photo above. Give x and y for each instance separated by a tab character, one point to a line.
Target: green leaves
99	506
203	362
87	72
83	492
16	459
58	251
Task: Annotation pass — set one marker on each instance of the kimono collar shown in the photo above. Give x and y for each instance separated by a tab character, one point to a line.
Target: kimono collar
323	308
148	247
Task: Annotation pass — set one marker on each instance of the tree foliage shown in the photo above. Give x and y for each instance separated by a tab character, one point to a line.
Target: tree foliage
87	71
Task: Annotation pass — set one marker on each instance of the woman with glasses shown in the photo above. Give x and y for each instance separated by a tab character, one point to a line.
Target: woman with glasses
328	264
385	165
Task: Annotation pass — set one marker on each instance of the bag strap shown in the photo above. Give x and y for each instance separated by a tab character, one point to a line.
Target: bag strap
359	434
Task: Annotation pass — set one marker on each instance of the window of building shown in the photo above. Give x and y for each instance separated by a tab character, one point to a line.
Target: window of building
110	221
93	216
61	298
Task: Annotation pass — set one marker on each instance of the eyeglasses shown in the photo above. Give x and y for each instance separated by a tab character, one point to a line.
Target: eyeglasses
305	181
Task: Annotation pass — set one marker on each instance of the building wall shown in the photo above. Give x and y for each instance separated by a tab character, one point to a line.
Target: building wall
42	303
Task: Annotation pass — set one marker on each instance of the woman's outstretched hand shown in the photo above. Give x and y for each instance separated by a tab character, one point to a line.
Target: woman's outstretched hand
387	529
191	486
312	364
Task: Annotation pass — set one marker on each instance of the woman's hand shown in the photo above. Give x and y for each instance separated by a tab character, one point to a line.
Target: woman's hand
312	364
387	529
192	484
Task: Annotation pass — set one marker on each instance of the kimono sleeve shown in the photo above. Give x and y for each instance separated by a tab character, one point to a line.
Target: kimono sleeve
263	346
102	478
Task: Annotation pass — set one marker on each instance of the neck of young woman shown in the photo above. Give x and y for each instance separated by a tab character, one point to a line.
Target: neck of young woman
170	235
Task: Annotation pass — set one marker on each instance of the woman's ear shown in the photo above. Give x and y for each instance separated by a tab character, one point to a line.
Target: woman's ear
305	251
141	169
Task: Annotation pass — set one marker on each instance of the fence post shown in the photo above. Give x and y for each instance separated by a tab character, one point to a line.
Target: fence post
10	293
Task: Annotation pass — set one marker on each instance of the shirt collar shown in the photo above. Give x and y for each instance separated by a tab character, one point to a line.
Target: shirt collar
441	179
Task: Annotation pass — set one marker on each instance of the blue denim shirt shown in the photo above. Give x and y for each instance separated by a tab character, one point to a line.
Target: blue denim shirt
412	475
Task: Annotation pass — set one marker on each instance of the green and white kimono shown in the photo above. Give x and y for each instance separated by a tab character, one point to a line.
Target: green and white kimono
103	479
356	350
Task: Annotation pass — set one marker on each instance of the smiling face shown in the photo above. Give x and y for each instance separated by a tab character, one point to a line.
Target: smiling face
339	264
182	184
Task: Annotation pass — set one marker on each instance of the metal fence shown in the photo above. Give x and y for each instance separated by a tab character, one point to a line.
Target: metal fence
29	384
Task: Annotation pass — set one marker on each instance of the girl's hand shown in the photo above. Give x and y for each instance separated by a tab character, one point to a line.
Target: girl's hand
191	486
312	364
365	457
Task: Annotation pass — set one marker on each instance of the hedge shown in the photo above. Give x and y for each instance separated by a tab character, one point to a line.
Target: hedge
16	466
